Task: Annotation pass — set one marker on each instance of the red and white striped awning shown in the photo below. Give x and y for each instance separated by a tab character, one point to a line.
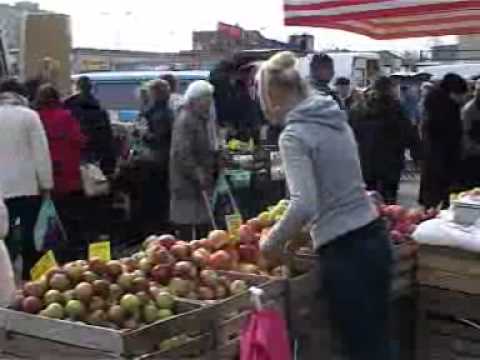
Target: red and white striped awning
388	19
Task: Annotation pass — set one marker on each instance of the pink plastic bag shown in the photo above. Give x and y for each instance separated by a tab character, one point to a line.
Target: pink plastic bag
265	337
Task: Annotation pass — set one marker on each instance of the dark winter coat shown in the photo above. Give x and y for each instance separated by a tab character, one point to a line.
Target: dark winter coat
383	134
192	159
96	126
442	134
160	120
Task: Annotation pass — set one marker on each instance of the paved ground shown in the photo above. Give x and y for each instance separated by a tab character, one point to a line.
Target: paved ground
408	195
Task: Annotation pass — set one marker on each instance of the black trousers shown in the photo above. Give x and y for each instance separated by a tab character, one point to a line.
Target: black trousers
26	210
356	275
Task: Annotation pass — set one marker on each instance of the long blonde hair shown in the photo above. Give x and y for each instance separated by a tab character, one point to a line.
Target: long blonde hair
280	85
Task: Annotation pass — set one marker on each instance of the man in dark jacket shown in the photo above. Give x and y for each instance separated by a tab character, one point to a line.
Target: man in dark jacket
383	133
160	118
442	136
471	141
322	71
95	125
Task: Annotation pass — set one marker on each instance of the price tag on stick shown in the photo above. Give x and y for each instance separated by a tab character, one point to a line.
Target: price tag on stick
233	225
46	263
100	250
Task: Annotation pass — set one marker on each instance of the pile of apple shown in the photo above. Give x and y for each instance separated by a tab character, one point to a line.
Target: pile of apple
189	270
97	293
402	222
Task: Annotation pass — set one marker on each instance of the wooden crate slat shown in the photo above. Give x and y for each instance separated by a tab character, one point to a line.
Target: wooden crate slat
82	336
65	332
148	338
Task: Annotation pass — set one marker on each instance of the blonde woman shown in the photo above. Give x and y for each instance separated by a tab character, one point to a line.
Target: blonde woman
323	173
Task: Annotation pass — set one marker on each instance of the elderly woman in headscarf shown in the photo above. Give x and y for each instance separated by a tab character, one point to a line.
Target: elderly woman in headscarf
193	162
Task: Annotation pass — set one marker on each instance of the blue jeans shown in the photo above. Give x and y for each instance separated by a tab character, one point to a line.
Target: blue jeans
356	278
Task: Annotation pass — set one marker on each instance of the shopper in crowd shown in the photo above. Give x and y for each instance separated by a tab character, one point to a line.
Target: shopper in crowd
192	162
222	77
442	138
327	192
160	119
65	141
383	133
322	72
176	99
425	89
95	125
25	168
471	141
409	102
344	92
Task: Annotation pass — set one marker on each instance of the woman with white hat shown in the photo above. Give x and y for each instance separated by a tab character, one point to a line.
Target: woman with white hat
192	161
328	195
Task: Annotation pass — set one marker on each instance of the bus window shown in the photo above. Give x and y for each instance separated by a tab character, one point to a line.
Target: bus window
118	95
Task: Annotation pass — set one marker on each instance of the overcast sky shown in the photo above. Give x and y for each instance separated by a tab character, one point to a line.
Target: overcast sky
165	25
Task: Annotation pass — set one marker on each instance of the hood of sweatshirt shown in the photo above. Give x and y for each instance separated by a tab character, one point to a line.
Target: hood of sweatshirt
8	98
318	109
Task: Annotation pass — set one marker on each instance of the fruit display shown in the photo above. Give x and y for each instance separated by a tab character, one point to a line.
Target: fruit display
97	293
189	270
401	222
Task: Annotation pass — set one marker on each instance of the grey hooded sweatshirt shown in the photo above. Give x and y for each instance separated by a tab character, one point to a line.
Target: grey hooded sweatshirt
323	173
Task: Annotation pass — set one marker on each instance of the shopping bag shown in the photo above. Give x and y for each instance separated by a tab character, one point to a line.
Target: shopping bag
94	181
265	337
49	231
7	278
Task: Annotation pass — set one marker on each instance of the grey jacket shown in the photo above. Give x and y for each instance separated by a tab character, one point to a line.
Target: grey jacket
323	173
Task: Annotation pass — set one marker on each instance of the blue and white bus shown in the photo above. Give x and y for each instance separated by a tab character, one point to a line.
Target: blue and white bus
118	92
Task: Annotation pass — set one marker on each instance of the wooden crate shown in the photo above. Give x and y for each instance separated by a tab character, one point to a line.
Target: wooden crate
229	317
448	325
449	268
33	337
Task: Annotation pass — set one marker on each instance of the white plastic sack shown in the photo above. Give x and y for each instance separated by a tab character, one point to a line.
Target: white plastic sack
3	219
95	183
443	232
7	278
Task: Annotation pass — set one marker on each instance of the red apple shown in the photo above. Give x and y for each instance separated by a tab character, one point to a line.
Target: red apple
207	244
205	293
200	257
162	273
246	234
167	241
185	270
395	212
255	225
209	278
248	253
181	250
195	244
220	260
160	255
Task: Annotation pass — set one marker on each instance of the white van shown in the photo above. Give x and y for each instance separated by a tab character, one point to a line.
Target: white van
467	70
361	68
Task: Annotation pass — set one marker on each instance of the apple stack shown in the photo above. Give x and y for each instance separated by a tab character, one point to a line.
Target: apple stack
191	270
97	293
